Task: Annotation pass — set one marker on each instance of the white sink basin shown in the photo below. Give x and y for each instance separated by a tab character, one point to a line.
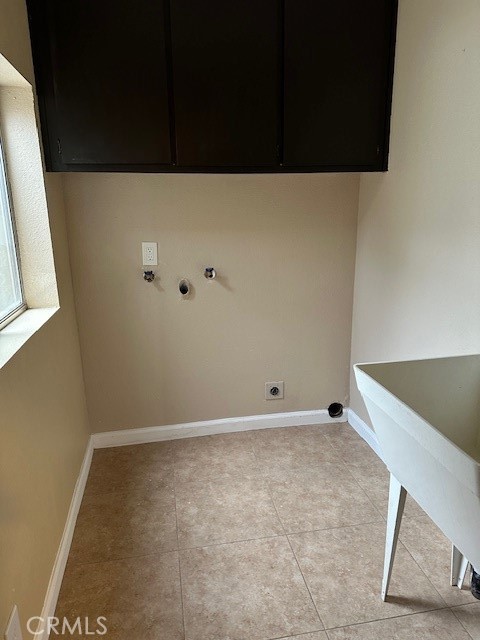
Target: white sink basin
426	414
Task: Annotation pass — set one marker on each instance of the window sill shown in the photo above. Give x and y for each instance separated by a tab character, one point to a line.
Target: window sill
18	331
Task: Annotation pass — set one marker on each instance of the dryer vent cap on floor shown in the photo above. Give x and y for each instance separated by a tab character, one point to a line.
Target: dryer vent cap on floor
335	410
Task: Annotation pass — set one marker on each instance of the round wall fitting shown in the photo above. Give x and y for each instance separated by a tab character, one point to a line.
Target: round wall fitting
210	273
184	287
335	410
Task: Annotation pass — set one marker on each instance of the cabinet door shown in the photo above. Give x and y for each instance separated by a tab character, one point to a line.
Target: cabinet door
108	64
225	78
337	82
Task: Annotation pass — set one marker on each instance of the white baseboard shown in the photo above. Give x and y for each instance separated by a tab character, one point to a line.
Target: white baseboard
211	427
364	431
56	577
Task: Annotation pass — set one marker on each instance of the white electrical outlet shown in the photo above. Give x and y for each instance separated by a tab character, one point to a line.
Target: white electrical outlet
274	391
13	630
149	254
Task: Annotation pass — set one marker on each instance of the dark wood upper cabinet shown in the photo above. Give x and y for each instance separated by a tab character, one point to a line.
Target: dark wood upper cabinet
338	67
225	78
214	85
105	81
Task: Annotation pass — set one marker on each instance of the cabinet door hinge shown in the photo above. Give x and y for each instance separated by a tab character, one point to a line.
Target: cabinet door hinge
59	147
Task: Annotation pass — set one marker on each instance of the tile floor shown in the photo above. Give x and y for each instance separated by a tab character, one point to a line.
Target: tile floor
258	535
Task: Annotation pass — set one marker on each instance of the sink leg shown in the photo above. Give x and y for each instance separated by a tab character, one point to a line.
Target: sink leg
396	504
459	568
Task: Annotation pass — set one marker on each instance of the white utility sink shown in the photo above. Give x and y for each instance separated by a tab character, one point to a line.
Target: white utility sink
426	414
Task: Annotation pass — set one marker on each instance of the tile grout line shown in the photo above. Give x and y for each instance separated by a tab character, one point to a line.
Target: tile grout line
287	535
297	635
400	616
400	541
356	481
447	606
178	545
375	620
342	463
465	604
327	439
266	480
384	517
371	500
219	544
458	619
306	585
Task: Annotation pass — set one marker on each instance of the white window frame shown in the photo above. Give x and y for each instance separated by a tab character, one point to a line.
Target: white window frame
11	229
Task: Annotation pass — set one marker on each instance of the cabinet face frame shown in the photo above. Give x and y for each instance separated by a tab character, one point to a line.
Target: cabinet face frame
49	129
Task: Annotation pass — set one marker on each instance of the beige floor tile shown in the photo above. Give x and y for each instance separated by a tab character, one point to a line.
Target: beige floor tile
352	449
245	591
435	625
131	468
319	497
214	457
346	432
269	434
343	569
316	635
432	551
225	510
328	429
469	616
122	525
144	624
140	592
374	479
116	625
319	477
292	448
224	443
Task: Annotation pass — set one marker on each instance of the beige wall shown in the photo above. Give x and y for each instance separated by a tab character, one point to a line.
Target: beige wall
417	282
283	246
43	420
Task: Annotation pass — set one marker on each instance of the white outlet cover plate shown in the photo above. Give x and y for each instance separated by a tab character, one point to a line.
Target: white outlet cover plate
268	388
149	254
13	630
